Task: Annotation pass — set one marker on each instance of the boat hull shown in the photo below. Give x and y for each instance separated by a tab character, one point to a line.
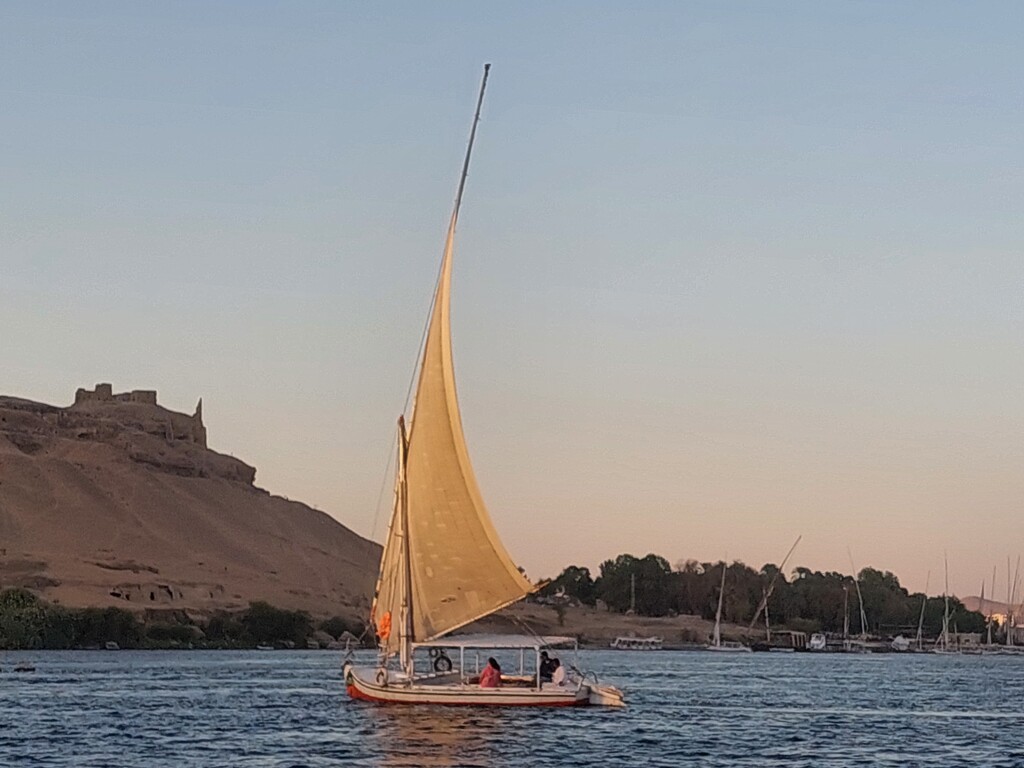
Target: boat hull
728	648
361	684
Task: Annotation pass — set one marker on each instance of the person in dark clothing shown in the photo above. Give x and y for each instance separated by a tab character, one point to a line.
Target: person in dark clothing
547	667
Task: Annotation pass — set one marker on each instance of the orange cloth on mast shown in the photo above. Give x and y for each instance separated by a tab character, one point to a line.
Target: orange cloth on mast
384	629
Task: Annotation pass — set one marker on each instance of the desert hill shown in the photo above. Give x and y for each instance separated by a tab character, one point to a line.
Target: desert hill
988	607
117	501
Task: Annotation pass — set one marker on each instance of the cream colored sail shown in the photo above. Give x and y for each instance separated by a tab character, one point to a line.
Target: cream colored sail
460	569
457	568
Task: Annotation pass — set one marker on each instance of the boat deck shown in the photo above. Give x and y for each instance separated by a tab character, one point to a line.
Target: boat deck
454	679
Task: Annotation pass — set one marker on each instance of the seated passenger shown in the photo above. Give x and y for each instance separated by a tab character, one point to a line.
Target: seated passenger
546	667
491	676
558	675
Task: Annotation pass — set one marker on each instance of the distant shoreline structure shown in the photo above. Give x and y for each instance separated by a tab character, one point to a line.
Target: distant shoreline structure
637	643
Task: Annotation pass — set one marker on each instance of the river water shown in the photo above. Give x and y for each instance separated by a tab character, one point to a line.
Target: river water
288	709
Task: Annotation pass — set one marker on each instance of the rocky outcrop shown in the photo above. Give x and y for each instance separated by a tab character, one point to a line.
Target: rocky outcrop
132	422
116	500
142	413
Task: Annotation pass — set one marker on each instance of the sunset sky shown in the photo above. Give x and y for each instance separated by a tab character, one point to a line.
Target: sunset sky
726	272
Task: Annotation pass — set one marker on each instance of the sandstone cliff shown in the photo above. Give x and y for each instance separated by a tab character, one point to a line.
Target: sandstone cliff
118	501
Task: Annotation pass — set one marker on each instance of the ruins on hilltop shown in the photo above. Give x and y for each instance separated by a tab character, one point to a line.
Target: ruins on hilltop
104	393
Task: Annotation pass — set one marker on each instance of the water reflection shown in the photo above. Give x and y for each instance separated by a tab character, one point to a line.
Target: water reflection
437	736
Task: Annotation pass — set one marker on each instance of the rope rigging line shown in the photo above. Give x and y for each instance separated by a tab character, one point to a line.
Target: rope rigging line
383	485
450	234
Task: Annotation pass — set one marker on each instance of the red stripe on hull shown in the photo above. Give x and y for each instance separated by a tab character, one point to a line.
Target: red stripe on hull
355	693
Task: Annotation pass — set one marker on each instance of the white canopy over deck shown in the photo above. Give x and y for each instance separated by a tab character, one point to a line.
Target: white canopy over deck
535	642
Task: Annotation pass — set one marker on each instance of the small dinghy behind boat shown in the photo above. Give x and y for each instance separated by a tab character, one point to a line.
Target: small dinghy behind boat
443	566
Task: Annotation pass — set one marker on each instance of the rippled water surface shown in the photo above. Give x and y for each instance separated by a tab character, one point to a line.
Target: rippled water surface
289	709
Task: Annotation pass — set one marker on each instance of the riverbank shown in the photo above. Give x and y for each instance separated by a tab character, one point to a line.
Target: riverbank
28	622
597	628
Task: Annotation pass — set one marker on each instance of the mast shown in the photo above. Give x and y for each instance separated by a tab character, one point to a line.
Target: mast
718	613
1006	619
924	602
846	612
860	599
945	598
455	217
763	605
632	593
1012	608
405	619
983	611
472	136
988	618
863	616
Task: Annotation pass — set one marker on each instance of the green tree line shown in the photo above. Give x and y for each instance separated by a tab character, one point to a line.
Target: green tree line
29	622
805	599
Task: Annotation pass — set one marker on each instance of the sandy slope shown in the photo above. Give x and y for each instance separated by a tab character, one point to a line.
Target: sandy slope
116	503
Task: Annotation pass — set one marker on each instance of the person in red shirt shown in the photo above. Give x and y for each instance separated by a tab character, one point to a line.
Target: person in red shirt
491	676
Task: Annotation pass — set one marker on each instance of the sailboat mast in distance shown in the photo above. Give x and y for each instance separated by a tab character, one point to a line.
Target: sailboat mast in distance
718	613
989	617
983	611
1011	610
767	593
945	598
860	597
1006	619
924	602
846	611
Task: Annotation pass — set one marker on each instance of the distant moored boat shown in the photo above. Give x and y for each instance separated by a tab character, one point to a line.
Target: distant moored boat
637	643
717	644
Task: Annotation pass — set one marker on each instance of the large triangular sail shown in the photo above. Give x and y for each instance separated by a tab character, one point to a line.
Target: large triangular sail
443	564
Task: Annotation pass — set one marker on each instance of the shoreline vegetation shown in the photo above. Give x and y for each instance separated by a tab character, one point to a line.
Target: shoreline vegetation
27	622
634	594
805	601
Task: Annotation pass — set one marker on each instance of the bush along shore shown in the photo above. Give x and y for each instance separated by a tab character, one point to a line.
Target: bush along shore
805	600
27	622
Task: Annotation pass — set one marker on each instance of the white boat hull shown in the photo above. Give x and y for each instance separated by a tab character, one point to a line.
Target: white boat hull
729	648
371	684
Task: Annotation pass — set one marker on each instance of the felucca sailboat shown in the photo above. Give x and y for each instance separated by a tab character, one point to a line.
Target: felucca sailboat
717	644
443	565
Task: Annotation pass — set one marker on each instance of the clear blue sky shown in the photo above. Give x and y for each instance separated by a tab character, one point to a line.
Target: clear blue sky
727	272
